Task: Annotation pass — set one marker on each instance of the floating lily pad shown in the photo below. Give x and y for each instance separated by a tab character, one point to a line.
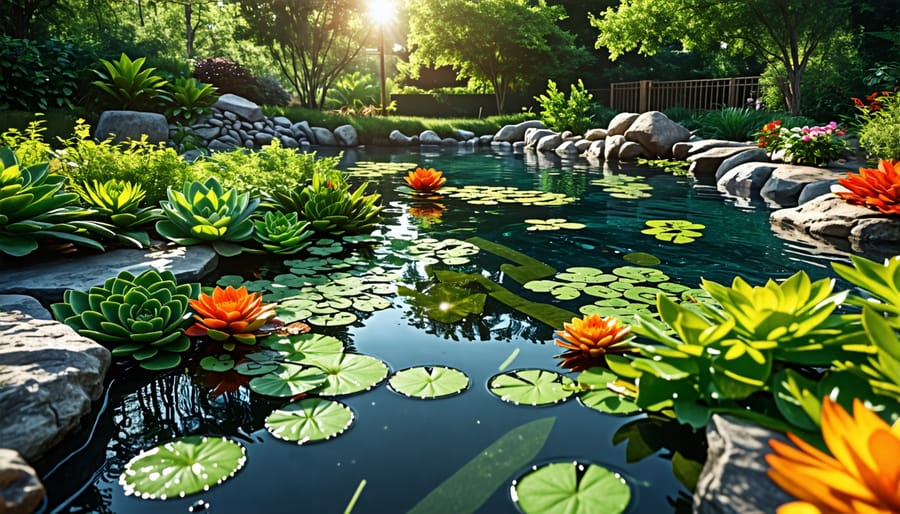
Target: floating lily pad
451	252
217	363
445	303
429	382
531	387
675	231
305	346
337	319
627	187
554	224
309	420
571	488
348	373
642	259
494	195
601	395
288	380
181	467
376	170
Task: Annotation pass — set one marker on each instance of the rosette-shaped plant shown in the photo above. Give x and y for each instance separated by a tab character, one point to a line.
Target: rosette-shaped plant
229	313
281	233
860	474
205	212
425	180
34	206
590	338
119	202
330	207
141	316
877	189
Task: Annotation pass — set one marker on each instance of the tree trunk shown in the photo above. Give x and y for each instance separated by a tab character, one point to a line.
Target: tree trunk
792	91
189	29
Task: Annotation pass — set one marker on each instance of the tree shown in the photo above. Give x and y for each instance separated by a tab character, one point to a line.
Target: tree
783	33
312	41
20	17
503	43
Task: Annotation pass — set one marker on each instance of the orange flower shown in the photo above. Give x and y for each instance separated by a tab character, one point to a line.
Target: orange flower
874	188
425	180
427	211
861	476
589	339
228	313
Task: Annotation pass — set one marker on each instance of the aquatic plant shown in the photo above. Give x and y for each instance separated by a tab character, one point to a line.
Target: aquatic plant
590	338
425	180
860	474
330	206
141	316
230	313
675	231
205	212
282	233
118	201
553	224
877	189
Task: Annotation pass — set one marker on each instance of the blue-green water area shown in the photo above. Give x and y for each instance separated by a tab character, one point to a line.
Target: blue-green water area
405	448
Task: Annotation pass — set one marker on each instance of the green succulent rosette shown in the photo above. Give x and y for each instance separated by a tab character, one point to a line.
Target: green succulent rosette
331	207
282	233
141	316
205	212
119	203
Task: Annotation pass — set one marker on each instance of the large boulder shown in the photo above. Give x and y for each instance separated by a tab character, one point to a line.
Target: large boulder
567	149
323	136
301	129
745	180
429	137
512	133
706	163
132	125
595	134
620	123
533	135
612	147
50	376
400	139
463	135
683	149
23	304
752	155
21	491
829	216
631	151
548	143
787	181
346	136
655	132
240	106
595	151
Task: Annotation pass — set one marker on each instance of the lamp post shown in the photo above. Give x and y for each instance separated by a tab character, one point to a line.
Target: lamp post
381	66
381	12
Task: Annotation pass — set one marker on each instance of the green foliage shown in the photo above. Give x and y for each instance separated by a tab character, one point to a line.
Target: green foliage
561	113
353	90
187	99
34	206
141	316
282	233
28	144
731	123
36	76
207	212
330	206
879	132
128	84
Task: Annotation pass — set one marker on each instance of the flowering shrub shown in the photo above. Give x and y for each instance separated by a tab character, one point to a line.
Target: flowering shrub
815	146
879	125
873	102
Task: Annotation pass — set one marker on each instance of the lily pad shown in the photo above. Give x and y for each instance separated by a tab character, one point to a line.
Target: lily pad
571	488
531	387
181	467
601	395
429	382
309	420
288	380
348	373
675	231
642	259
337	319
494	195
306	346
217	363
554	224
445	303
628	187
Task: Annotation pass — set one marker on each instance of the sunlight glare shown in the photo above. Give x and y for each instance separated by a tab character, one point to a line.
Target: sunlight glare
381	11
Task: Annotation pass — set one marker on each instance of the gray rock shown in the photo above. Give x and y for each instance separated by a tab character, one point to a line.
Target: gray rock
346	135
511	133
486	139
830	216
880	230
245	126
463	135
566	149
630	151
191	155
262	139
47	281
258	125
323	136
582	145
733	480
752	155
613	145
745	180
50	375
247	110
282	131
221	144
429	137
132	125
784	185
596	149
548	143
518	147
304	128
289	142
595	134
655	132
21	491
707	162
620	123
23	304
281	121
207	133
400	139
230	117
533	135
449	141
215	122
235	136
815	190
701	145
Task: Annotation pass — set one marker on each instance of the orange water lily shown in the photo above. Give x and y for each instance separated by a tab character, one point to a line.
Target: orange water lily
589	339
874	188
861	476
425	180
228	313
428	212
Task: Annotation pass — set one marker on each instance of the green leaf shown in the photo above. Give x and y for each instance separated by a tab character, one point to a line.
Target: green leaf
531	387
185	466
348	373
429	382
217	363
571	488
309	420
288	381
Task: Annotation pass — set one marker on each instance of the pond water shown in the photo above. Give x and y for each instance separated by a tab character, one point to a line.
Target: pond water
405	448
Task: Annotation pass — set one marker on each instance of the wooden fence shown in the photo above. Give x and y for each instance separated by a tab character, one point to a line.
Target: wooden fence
648	95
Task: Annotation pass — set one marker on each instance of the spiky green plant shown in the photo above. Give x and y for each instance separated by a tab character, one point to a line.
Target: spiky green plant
118	202
141	316
281	233
205	212
187	99
128	83
330	206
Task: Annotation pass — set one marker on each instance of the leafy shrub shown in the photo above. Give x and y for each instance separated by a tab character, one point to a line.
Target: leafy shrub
36	76
28	145
272	92
814	146
561	113
188	99
730	123
129	84
353	90
879	132
228	77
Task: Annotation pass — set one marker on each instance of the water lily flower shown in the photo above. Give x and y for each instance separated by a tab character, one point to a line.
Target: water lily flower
589	339
425	180
860	476
228	313
874	188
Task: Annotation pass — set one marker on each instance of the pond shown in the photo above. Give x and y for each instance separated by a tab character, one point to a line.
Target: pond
429	455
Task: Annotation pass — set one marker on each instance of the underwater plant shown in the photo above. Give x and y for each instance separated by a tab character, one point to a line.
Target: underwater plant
230	313
282	233
877	189
141	316
425	180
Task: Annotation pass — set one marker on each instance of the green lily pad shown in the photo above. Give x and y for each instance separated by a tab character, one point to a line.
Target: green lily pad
429	382
571	488
181	467
628	187
445	303
304	346
600	397
531	387
640	274
337	319
217	363
642	259
554	224
348	373
288	380
494	195
309	420
675	231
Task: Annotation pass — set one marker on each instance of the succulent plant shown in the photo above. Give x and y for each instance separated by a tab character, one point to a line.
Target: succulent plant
33	206
141	316
877	189
425	180
281	233
228	313
118	201
205	212
330	207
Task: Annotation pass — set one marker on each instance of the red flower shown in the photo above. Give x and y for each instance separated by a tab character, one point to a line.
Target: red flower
425	180
874	188
228	313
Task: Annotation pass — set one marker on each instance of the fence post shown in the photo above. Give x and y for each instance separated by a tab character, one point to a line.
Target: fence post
644	97
732	92
612	96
